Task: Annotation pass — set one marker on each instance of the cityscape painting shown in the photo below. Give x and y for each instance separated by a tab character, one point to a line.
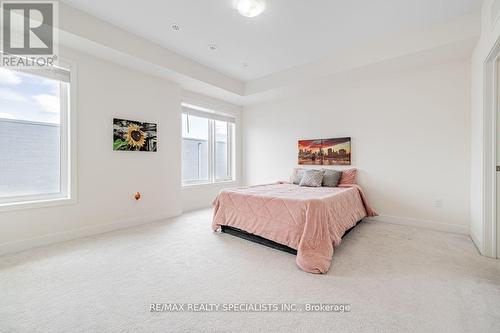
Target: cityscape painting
134	136
325	151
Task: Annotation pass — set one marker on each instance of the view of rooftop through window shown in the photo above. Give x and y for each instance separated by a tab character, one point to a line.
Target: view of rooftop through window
200	162
30	132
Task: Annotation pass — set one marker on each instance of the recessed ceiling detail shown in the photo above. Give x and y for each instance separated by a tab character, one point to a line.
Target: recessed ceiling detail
289	33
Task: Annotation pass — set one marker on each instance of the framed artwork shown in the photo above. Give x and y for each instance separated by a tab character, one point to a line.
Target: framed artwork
131	135
336	151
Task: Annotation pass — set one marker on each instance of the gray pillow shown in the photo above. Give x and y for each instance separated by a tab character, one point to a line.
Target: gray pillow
312	178
331	177
296	176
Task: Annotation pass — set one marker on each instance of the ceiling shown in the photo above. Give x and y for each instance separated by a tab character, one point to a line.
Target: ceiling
288	34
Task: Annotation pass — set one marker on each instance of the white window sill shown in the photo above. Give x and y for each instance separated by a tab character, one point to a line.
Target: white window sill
32	204
231	182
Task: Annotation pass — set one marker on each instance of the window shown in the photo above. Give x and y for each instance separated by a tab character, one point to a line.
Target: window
34	136
194	148
207	147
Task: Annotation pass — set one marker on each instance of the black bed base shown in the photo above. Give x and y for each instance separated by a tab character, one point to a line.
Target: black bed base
263	241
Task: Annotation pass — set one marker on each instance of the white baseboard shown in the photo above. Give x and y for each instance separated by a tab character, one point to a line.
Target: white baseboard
434	225
58	237
477	242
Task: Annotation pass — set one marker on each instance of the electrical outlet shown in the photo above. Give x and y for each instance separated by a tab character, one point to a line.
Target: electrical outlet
438	203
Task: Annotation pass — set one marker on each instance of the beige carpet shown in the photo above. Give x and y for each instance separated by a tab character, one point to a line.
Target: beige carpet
395	278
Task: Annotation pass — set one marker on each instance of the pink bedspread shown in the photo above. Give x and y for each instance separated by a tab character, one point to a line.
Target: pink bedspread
311	220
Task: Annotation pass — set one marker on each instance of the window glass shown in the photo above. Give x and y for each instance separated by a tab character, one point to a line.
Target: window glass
195	135
30	134
207	147
221	150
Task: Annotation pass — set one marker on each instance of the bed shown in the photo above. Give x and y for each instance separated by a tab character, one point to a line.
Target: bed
309	220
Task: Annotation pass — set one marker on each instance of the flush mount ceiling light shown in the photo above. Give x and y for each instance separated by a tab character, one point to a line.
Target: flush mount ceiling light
250	8
175	27
212	47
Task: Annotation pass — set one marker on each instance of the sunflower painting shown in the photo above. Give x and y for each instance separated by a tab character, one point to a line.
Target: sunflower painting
134	135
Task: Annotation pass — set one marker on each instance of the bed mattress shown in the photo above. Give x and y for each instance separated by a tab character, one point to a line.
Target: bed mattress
311	220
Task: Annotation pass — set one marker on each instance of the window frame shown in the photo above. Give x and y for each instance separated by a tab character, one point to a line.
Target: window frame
212	117
68	172
229	152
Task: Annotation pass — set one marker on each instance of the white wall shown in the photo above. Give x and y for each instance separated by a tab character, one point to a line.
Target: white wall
410	138
107	180
498	163
490	32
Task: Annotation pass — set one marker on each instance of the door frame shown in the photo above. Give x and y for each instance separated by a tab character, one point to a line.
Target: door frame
490	102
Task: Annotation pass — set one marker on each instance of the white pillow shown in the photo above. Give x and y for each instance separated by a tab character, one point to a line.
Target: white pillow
312	178
296	176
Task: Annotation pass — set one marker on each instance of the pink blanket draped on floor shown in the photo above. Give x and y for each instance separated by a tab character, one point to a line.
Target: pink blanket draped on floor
311	220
